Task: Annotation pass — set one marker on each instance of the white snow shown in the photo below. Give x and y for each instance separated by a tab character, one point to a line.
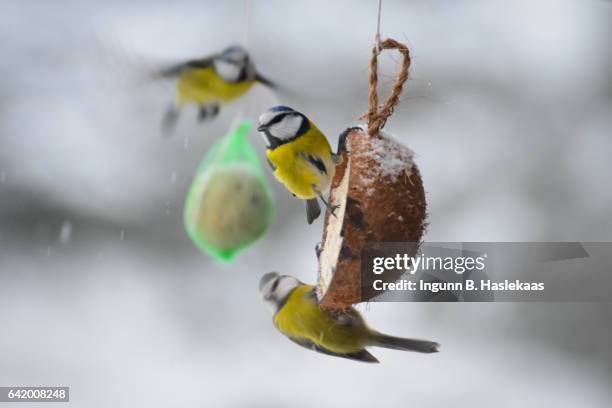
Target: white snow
393	158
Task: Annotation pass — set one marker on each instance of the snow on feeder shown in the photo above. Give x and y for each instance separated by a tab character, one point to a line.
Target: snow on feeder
380	197
229	205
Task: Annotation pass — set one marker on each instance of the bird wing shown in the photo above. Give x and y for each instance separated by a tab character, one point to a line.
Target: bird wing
349	317
361	355
316	161
176	70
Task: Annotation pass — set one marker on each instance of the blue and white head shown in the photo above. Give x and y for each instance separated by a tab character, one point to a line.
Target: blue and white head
234	64
275	289
281	124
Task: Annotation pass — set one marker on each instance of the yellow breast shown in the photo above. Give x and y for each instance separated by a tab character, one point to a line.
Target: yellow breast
302	318
204	85
299	175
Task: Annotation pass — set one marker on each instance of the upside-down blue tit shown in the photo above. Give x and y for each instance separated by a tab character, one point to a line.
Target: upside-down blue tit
345	334
211	81
300	156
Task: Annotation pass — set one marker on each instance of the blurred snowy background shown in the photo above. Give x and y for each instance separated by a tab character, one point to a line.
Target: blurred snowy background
509	112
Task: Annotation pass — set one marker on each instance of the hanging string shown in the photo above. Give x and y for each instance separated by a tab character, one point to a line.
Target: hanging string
377	38
239	119
377	116
247	22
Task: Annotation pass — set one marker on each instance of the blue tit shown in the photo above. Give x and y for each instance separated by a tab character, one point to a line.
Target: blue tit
210	81
300	156
345	334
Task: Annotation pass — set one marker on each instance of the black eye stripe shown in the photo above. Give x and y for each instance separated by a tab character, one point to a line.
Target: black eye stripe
275	285
277	118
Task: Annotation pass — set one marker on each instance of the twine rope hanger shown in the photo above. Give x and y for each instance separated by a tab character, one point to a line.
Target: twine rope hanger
377	116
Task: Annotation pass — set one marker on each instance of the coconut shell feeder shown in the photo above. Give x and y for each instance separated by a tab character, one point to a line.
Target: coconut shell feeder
379	193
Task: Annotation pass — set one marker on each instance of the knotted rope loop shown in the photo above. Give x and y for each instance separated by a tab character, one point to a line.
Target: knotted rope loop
377	116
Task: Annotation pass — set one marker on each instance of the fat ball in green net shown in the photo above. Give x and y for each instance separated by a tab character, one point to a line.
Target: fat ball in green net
229	205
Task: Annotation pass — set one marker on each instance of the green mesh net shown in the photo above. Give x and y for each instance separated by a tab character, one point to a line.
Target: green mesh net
229	205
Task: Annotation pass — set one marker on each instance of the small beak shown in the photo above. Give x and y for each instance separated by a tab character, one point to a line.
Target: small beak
261	128
265	81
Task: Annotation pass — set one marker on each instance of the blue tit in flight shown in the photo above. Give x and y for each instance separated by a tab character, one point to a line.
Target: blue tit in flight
211	81
345	334
300	156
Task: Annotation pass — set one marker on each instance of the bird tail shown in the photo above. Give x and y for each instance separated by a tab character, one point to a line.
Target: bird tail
399	343
169	72
312	210
169	120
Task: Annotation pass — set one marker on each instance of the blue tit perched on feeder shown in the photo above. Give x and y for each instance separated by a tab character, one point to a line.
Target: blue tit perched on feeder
345	334
300	156
211	81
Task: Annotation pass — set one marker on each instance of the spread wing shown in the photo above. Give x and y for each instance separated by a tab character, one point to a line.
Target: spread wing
176	70
361	355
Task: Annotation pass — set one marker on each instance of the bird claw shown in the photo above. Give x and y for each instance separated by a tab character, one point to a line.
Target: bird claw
208	111
318	249
333	209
